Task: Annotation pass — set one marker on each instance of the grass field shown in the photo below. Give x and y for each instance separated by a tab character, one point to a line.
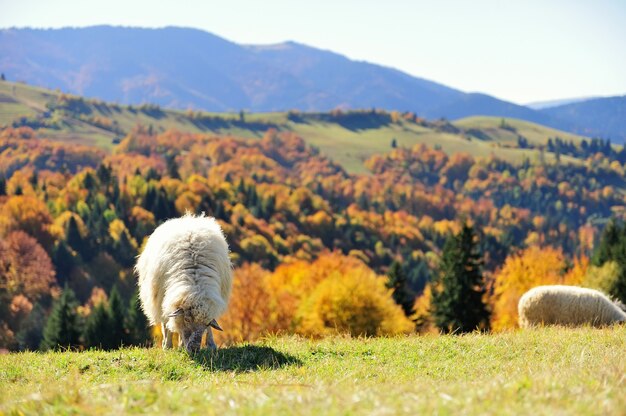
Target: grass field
535	133
348	147
351	148
546	371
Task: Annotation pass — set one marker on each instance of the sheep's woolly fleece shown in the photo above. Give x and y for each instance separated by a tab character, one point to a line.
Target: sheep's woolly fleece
185	266
567	305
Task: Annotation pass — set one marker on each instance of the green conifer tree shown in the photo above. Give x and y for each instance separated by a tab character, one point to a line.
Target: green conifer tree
241	187
104	174
31	330
117	319
137	323
172	166
618	290
612	247
608	244
402	293
269	206
457	304
34	179
64	262
149	201
98	332
3	185
125	252
62	328
73	237
162	208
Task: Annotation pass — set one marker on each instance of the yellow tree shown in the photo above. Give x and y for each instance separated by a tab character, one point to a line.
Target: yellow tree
28	214
422	317
293	282
357	303
576	275
532	267
333	293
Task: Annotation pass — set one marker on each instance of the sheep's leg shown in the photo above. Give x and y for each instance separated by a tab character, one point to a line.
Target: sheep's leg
167	337
210	343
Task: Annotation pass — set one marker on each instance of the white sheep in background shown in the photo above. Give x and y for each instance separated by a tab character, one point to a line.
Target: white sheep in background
567	305
185	279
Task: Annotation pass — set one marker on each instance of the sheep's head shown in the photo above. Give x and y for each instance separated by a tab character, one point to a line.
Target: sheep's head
190	327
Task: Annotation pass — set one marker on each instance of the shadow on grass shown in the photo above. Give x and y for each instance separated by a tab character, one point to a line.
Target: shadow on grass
244	358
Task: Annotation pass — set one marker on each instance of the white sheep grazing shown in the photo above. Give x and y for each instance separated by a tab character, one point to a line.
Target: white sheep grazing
185	279
567	305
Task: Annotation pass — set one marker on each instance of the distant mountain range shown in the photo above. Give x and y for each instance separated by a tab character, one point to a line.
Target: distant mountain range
188	68
604	117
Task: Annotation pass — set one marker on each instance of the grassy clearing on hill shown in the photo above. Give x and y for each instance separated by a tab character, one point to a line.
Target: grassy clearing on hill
350	148
535	133
544	371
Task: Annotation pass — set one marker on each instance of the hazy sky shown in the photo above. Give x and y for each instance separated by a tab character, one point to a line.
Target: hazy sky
522	51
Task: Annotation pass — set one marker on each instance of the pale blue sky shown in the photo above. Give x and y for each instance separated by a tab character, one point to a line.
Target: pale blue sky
520	51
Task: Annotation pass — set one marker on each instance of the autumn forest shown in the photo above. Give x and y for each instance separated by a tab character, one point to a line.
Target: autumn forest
317	250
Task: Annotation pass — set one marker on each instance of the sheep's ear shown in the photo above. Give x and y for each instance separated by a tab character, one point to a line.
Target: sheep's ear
177	312
214	324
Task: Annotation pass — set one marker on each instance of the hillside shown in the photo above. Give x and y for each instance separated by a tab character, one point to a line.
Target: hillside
348	138
506	131
604	117
83	183
187	68
513	373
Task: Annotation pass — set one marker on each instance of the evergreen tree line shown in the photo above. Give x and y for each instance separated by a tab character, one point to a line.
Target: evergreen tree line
586	148
612	248
110	325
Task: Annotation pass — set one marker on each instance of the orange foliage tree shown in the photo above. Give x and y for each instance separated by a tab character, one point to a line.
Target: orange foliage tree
25	267
249	312
26	276
334	294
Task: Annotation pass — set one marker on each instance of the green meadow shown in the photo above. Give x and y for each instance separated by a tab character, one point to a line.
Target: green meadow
545	371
